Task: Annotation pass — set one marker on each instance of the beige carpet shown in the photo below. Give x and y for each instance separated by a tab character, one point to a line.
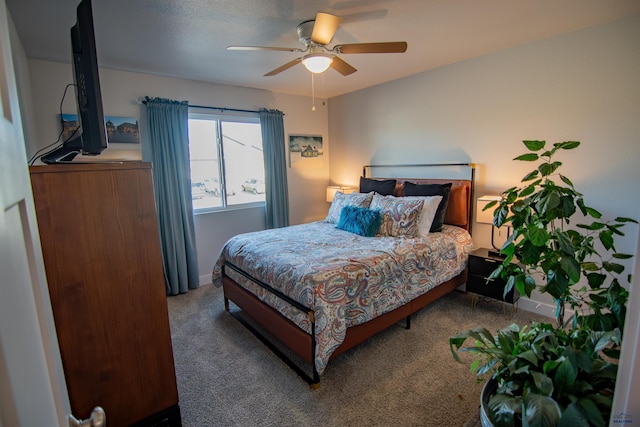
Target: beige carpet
227	377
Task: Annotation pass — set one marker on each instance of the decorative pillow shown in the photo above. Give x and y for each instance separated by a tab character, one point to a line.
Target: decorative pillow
385	187
429	209
362	221
411	189
340	200
399	215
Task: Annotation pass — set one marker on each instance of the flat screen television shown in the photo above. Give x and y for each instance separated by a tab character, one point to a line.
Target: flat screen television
91	137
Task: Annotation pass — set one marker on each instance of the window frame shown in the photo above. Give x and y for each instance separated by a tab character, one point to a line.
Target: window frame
237	117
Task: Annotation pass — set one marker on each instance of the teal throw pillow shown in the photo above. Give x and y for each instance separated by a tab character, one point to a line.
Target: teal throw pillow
362	221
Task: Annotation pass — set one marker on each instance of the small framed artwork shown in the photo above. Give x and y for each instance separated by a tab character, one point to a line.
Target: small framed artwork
120	130
304	147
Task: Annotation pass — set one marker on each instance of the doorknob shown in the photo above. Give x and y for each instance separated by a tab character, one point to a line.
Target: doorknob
98	419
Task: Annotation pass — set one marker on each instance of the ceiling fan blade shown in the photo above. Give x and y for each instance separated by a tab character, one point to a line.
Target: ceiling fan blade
283	67
324	28
283	49
382	47
342	67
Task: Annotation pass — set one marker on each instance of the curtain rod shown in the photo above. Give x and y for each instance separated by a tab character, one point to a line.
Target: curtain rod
224	109
143	101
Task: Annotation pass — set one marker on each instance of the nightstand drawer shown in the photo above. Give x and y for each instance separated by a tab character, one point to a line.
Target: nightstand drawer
481	265
493	289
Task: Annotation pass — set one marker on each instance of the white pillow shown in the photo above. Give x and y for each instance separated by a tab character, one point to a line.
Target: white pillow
429	208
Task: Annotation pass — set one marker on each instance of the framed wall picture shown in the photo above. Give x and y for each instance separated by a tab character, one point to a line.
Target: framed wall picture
120	130
304	147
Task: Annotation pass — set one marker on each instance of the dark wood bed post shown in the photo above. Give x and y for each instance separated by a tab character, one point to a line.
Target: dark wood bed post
226	300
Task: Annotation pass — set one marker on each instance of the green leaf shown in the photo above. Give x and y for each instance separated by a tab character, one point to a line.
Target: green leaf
500	216
625	219
541	410
557	284
608	338
533	145
564	243
490	205
622	256
613	267
547	203
571	267
567	207
592	226
529	286
606	237
565	377
566	180
529	356
502	409
543	383
505	343
593	213
547	169
550	365
529	157
538	236
591	411
572	417
528	190
596	280
567	145
531	175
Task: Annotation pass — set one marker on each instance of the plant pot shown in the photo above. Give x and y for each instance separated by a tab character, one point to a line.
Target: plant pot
488	389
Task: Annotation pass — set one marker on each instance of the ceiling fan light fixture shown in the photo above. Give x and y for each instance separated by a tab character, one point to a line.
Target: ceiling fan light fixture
317	62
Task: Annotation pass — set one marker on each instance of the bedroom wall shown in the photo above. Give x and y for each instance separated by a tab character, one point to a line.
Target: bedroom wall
580	86
307	181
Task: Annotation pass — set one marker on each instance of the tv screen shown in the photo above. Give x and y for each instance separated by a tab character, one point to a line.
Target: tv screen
92	138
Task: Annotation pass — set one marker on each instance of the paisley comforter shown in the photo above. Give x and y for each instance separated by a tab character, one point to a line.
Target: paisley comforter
345	278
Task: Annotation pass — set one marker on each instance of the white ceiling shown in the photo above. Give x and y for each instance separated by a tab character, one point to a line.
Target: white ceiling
188	38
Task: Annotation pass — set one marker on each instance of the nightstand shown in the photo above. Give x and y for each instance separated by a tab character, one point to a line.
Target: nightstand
481	264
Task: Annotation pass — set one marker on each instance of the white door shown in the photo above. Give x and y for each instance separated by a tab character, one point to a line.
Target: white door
32	387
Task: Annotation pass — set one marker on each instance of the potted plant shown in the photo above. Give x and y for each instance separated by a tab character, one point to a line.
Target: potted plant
562	374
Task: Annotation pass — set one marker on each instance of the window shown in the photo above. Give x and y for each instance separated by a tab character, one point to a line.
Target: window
227	165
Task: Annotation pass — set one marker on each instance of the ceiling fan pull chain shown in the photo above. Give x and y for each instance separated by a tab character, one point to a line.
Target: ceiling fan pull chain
324	94
313	93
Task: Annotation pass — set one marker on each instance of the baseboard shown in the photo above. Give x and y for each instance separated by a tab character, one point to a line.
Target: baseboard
205	280
542	308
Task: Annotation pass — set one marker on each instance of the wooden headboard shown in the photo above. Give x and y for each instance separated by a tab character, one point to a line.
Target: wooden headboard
460	208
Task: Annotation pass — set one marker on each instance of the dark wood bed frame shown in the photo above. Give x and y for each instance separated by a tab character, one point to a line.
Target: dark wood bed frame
459	213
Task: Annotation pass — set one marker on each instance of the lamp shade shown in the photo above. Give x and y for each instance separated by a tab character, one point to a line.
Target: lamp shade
333	189
317	62
482	216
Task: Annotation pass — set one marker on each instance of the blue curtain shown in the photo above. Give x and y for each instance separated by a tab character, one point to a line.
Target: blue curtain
275	168
167	147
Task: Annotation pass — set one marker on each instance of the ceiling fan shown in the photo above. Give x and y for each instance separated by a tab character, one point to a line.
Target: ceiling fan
315	35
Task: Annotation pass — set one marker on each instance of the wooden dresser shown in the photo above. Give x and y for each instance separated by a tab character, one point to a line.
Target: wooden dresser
101	248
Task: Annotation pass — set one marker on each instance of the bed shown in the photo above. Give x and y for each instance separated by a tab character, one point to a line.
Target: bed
318	290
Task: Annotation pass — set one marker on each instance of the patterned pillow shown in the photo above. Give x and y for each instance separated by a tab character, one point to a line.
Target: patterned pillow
362	221
429	208
340	200
399	215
